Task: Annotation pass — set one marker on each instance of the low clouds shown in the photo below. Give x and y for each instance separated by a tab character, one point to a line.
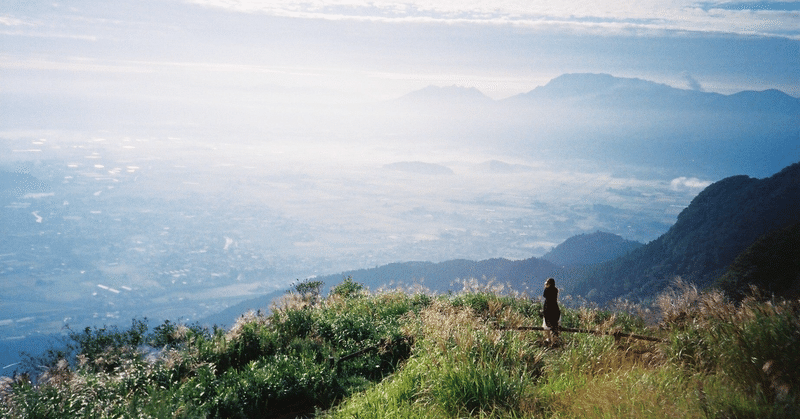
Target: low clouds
683	183
634	18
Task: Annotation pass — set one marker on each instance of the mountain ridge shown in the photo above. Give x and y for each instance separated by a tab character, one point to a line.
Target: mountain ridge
622	121
606	89
577	85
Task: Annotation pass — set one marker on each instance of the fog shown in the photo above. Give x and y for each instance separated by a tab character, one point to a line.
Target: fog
178	227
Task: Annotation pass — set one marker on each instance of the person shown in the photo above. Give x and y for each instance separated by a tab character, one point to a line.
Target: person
550	311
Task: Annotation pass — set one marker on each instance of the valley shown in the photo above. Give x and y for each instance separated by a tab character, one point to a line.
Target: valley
169	228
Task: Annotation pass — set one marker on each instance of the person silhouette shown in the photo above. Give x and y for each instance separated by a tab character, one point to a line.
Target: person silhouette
551	312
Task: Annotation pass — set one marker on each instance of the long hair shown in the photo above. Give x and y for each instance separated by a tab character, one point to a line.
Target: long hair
551	282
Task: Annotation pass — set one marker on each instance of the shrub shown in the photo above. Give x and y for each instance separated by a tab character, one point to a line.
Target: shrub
348	288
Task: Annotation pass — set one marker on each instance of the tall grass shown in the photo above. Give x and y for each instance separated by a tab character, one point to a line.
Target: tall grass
749	347
433	356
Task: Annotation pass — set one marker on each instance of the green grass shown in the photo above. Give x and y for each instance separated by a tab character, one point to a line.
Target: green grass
430	356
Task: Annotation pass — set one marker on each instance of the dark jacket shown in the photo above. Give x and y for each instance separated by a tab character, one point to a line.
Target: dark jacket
551	311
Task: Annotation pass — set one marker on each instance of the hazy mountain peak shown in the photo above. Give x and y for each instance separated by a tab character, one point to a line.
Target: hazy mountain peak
586	85
604	91
453	92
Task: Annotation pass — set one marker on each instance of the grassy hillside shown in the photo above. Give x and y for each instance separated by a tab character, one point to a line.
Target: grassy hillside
423	355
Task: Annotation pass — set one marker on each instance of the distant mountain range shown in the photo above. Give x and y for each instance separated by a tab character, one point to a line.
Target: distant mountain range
607	90
586	89
616	120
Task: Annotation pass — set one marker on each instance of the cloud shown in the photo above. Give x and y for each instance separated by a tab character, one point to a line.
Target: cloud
631	17
72	64
11	21
692	83
683	184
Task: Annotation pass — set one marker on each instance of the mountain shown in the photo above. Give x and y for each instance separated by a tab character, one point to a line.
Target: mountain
589	249
719	224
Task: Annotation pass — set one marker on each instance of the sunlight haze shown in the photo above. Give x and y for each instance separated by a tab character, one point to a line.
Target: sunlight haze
172	158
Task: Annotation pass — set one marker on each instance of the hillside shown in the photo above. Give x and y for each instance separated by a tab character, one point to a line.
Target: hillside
355	354
772	264
437	277
719	224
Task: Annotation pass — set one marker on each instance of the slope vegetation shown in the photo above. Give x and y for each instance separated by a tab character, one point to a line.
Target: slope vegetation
400	355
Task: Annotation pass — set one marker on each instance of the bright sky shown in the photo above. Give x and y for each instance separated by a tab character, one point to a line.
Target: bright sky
352	50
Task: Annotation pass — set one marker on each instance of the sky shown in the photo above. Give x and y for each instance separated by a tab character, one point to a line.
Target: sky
342	51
